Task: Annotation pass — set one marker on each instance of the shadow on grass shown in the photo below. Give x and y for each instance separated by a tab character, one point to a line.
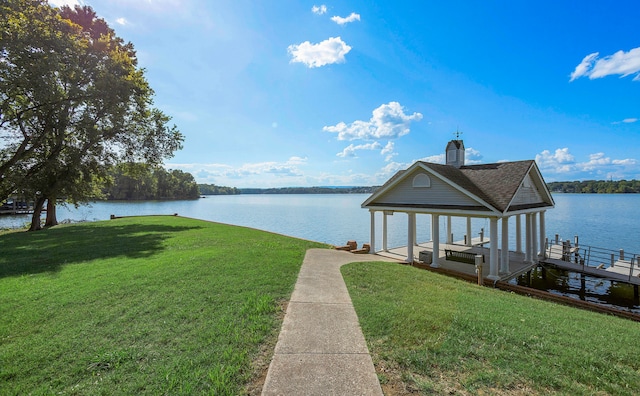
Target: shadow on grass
46	251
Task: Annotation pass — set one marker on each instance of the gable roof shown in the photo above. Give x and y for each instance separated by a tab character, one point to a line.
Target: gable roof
493	185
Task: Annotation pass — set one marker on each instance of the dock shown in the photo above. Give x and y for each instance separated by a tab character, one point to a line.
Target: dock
479	246
13	206
598	262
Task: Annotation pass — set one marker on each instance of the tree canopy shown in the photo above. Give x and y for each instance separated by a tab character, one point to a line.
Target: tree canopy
73	102
143	182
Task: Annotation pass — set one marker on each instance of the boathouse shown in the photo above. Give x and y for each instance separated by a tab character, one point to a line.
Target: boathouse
496	192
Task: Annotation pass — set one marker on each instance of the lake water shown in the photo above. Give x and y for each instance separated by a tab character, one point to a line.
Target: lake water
600	220
604	220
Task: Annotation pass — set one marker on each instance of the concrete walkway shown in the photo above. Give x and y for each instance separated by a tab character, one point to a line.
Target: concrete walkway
321	349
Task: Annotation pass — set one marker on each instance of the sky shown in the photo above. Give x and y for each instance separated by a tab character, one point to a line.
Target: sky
345	93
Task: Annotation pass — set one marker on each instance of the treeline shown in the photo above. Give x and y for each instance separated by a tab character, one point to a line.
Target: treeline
596	187
144	182
212	189
309	190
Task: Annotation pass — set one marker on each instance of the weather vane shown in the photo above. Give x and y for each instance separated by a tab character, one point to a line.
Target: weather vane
457	133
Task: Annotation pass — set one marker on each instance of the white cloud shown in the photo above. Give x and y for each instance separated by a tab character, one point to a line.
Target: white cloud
351	18
324	53
472	156
122	21
223	173
559	162
350	151
389	170
621	63
319	10
61	3
598	166
387	122
626	121
595	161
388	150
435	159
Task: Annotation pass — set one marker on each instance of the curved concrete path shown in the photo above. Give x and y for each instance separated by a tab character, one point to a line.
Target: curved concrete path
321	349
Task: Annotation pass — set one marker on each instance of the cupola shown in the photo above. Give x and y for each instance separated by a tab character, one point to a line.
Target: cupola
455	153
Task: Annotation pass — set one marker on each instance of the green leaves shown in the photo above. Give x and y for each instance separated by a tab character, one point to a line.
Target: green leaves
72	102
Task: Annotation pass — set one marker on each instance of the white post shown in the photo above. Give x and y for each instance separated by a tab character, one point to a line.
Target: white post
519	234
435	236
415	229
410	237
534	238
469	236
504	258
384	232
527	238
372	241
449	234
543	234
493	250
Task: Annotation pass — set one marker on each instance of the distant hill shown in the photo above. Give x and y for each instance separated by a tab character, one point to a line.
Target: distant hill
596	187
309	190
210	189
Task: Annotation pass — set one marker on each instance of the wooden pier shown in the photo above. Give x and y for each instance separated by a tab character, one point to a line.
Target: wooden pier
592	261
15	207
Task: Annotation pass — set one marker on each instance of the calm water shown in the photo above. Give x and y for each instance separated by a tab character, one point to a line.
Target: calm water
602	220
607	221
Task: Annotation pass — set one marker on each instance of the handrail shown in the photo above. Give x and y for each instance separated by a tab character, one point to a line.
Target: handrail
591	256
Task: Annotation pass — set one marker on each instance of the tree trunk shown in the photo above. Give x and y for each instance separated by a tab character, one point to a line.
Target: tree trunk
37	210
51	213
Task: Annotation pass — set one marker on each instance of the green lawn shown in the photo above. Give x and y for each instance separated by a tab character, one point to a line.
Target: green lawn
438	335
155	305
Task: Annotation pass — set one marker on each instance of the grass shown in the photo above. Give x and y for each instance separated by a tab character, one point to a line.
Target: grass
154	305
436	335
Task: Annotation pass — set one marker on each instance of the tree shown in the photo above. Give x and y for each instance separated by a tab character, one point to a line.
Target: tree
73	103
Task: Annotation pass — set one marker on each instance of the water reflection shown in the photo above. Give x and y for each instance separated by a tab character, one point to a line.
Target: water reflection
579	286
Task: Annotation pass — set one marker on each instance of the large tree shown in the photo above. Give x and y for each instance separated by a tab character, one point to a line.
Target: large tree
73	102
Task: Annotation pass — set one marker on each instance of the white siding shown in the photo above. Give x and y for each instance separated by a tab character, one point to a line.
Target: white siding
440	193
527	193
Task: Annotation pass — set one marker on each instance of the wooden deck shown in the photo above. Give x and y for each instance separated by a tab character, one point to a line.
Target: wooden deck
621	271
516	260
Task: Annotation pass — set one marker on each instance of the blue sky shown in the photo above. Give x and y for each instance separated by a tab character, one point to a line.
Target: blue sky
295	93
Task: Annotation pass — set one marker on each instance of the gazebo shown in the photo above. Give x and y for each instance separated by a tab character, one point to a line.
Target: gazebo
495	192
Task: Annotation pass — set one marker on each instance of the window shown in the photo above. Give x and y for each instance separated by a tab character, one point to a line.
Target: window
421	180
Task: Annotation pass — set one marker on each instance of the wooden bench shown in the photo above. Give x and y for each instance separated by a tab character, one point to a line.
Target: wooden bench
462	257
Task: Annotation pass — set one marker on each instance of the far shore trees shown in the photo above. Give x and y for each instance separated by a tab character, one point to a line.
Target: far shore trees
73	103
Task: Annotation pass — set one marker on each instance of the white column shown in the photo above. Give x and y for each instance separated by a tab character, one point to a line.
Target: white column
469	236
410	237
527	238
534	237
372	241
493	250
543	233
518	233
435	236
415	229
384	232
449	236
504	257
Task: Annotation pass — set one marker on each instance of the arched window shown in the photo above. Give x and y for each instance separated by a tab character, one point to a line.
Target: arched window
421	180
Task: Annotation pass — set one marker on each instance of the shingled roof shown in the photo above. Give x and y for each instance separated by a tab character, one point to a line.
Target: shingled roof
496	184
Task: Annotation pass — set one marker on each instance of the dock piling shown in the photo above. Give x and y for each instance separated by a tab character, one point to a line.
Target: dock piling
613	260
